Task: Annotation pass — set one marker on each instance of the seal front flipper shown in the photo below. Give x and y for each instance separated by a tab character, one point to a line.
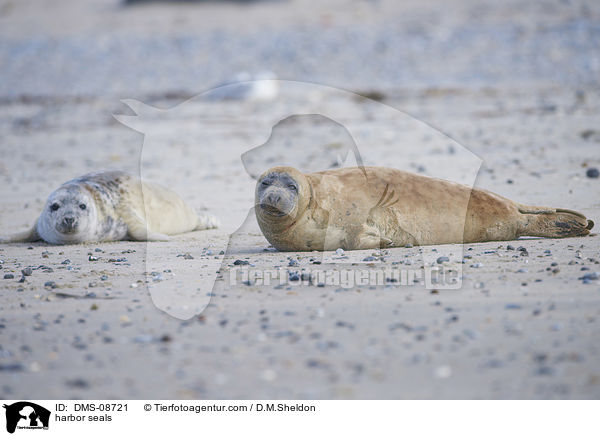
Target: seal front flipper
371	238
30	235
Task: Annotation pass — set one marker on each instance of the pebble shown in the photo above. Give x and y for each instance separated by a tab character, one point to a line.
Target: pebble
11	367
293	262
369	259
442	259
27	271
339	251
77	383
589	276
9	276
294	276
477	265
592	173
51	284
241	262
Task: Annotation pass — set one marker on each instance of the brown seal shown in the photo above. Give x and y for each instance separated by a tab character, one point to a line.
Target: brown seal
373	207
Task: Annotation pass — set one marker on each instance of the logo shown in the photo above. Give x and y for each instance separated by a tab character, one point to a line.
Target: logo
26	415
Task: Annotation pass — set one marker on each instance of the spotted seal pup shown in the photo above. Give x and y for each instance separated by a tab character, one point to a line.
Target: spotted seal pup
112	206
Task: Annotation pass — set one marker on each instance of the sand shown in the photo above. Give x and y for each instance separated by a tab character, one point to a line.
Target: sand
518	94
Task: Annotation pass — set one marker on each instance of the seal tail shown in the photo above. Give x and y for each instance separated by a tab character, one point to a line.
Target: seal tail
553	223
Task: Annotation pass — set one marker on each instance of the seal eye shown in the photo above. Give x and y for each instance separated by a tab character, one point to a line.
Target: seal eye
292	187
265	183
82	206
54	207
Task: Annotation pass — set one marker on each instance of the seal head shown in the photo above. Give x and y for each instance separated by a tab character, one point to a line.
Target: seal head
69	216
282	194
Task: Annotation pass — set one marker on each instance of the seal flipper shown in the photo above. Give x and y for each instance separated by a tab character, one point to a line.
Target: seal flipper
30	235
554	223
207	221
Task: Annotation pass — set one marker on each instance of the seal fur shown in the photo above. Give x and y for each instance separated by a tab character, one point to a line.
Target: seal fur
112	206
375	207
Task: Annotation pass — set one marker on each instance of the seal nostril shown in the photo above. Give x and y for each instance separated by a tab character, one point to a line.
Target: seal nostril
68	221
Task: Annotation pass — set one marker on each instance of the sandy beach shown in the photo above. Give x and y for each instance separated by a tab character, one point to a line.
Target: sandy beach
503	97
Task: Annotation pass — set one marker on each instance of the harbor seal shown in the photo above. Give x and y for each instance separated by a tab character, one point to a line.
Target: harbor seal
112	206
373	207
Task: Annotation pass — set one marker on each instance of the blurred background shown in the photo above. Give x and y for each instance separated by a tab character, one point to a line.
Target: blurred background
142	49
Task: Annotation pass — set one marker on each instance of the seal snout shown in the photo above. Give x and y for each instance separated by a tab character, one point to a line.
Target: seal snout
273	203
68	224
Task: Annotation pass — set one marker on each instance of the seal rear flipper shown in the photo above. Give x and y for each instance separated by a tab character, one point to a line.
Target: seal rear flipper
30	235
207	221
554	223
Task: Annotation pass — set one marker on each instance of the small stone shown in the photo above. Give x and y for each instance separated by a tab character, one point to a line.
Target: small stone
592	173
293	262
9	276
408	246
77	383
92	258
241	262
442	259
27	271
510	247
587	278
51	285
369	259
294	276
477	265
339	251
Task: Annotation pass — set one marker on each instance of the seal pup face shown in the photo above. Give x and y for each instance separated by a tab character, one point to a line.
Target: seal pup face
280	193
69	216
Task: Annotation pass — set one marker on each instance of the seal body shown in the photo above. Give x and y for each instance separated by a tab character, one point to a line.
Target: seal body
111	206
373	207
